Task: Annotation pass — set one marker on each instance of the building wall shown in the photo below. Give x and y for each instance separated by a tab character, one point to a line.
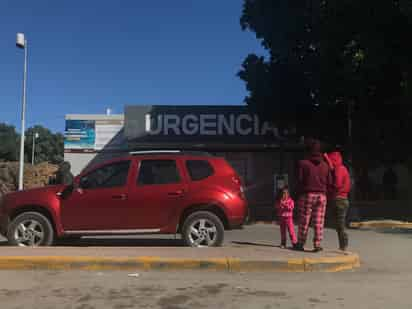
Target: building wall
79	161
105	139
258	171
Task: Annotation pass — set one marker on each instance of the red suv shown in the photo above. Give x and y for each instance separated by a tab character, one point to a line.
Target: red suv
197	196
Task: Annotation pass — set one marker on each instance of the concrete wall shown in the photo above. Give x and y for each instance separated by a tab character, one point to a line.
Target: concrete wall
79	161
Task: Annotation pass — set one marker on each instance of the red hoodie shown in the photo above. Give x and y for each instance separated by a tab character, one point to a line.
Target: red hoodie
342	183
313	175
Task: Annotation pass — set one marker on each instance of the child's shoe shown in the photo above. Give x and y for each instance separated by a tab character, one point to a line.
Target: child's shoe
298	247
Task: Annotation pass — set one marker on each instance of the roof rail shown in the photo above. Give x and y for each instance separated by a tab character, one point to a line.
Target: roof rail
181	152
153	152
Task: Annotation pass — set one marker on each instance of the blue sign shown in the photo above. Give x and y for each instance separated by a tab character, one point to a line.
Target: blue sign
80	134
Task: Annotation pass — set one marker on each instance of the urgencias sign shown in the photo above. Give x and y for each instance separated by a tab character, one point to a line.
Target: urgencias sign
224	124
207	124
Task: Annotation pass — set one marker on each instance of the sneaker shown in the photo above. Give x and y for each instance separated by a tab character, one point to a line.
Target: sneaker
317	249
282	246
298	247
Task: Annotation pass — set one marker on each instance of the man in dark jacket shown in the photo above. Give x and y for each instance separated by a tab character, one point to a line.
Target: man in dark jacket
64	175
314	178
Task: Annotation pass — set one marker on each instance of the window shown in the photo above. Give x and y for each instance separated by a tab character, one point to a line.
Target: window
199	169
109	176
158	172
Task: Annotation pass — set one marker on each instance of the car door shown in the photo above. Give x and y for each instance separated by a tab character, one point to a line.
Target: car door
158	192
99	201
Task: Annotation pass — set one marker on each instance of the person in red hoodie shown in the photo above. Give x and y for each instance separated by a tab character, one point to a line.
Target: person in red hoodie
313	180
339	195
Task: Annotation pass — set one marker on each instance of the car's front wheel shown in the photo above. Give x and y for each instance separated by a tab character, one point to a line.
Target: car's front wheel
30	229
203	229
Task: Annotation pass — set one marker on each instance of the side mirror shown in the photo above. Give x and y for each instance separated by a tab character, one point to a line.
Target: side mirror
84	183
66	192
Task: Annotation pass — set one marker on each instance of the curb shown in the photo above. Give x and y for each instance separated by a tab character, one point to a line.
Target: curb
381	224
228	264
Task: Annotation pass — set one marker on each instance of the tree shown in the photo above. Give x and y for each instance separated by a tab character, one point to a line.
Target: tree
48	147
9	141
281	87
327	58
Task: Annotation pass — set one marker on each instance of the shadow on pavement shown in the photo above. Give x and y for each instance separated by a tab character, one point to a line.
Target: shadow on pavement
115	242
121	242
246	243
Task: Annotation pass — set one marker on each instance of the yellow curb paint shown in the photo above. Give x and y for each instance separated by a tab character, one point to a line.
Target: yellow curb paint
296	265
332	264
329	264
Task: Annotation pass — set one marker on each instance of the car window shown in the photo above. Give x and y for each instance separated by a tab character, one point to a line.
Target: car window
199	169
158	172
108	176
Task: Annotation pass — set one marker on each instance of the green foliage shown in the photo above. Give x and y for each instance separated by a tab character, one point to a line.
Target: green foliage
325	56
49	146
8	141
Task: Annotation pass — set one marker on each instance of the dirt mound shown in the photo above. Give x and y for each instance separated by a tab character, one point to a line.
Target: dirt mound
34	176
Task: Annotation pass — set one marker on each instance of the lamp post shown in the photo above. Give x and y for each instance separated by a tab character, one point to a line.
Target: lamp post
35	136
21	42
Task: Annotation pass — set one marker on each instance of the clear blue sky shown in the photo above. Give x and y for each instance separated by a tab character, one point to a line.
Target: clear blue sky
88	55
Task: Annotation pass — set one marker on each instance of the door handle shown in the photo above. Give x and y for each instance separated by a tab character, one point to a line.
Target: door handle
119	197
176	193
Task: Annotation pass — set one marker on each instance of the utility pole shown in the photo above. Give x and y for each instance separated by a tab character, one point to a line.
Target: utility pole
21	42
35	136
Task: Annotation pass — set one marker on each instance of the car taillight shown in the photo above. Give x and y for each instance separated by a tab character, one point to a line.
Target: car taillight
241	191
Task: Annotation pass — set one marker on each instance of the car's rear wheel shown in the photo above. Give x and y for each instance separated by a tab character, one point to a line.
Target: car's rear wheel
30	229
203	229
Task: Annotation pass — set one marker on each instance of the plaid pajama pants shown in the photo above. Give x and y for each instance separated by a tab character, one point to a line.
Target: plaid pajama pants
311	206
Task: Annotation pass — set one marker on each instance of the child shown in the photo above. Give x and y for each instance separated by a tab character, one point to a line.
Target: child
284	206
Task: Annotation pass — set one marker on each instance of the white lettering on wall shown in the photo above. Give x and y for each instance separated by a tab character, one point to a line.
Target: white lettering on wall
244	130
190	125
256	124
208	124
171	122
267	127
151	125
225	126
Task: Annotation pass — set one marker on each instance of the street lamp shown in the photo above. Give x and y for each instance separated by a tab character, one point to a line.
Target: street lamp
35	136
21	42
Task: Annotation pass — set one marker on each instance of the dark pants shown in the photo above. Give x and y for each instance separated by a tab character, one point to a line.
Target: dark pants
341	206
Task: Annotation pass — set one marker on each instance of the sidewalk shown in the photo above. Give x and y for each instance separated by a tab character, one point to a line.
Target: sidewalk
239	258
378	224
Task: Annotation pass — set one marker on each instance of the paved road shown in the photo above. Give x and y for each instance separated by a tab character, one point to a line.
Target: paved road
384	281
187	290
